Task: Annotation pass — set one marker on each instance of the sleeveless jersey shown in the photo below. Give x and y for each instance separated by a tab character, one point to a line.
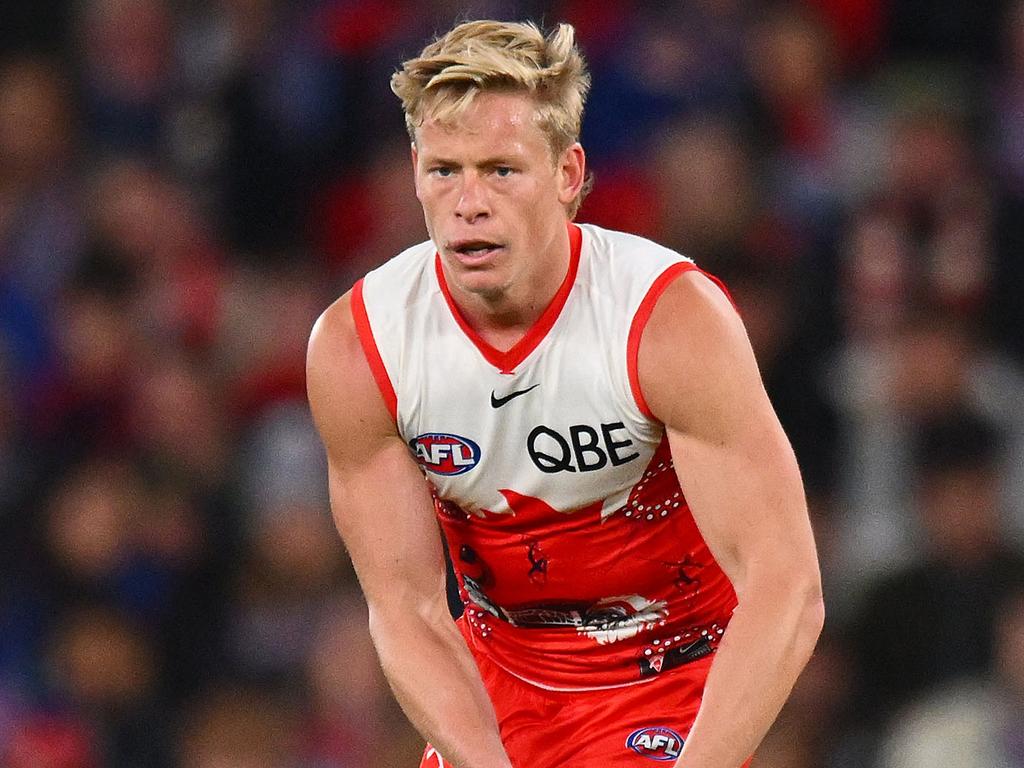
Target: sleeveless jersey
578	560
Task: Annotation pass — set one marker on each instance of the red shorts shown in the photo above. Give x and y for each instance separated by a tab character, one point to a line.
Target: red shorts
629	727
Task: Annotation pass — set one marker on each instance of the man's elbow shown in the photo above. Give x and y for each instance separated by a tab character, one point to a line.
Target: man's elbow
810	602
814	613
794	594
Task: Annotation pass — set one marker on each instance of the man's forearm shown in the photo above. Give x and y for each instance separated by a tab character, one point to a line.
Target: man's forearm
435	679
768	642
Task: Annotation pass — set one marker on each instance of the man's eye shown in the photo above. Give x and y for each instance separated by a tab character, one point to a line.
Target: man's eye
442	171
503	171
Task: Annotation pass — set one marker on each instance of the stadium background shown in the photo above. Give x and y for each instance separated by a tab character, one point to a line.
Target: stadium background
184	185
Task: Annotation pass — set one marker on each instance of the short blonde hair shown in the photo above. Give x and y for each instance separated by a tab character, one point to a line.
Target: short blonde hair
480	56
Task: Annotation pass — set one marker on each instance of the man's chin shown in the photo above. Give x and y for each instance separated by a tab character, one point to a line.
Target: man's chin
485	286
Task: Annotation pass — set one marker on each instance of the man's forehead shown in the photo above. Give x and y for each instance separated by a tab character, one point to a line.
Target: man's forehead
492	115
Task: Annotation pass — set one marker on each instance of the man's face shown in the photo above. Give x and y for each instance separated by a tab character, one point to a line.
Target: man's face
493	197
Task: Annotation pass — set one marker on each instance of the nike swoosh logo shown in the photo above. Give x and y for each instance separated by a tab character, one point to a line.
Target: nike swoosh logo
497	402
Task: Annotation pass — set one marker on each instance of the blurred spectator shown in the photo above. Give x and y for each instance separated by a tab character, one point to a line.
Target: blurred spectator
106	668
81	403
974	722
706	190
1009	103
774	303
1007	315
692	65
262	353
178	421
146	226
40	224
127	73
293	566
362	216
241	728
798	114
294	560
934	620
930	365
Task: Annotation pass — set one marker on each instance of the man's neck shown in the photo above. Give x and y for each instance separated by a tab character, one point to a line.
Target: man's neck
502	318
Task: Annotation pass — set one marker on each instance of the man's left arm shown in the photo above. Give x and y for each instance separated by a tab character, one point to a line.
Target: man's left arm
698	375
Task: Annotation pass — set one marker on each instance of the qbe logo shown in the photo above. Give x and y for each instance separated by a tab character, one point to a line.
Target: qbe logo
656	743
445	454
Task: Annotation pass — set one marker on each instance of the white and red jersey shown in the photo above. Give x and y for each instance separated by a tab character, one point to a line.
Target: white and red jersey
578	560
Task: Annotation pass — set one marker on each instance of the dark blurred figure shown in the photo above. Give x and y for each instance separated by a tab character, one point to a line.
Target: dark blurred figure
944	30
935	620
896	377
1007	317
126	72
81	404
148	227
40	225
1008	97
114	534
974	722
798	117
776	309
41	25
104	667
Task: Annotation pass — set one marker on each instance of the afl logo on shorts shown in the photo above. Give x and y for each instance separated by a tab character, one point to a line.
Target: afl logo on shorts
656	743
445	454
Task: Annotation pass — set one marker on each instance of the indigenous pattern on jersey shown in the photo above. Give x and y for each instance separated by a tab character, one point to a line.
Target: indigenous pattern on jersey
578	560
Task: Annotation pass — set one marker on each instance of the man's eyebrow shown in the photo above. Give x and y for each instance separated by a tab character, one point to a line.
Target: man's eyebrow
437	160
497	160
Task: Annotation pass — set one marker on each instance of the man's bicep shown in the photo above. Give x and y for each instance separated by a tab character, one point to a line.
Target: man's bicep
735	465
379	498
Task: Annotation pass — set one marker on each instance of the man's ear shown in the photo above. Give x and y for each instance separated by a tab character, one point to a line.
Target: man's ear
572	169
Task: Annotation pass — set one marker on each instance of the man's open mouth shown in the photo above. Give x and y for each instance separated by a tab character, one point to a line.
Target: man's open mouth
474	247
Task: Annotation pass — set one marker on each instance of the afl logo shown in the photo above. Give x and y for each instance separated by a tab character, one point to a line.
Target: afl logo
445	454
656	743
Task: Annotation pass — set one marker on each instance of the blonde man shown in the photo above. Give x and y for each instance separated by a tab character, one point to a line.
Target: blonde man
546	390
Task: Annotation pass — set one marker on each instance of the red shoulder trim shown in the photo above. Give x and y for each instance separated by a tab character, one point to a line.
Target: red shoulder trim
643	314
373	358
507	361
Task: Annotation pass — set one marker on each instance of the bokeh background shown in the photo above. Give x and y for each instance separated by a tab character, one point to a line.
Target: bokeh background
186	184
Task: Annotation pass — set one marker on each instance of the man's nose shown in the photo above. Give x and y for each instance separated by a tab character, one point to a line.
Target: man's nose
472	199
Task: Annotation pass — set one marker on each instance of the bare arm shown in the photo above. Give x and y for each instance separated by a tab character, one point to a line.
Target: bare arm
383	510
736	467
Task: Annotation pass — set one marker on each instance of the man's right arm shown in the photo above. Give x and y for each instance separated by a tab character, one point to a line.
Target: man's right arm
383	511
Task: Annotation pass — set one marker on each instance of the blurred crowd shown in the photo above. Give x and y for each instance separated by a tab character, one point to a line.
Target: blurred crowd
185	185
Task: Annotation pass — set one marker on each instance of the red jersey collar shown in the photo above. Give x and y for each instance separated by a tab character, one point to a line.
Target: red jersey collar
509	360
